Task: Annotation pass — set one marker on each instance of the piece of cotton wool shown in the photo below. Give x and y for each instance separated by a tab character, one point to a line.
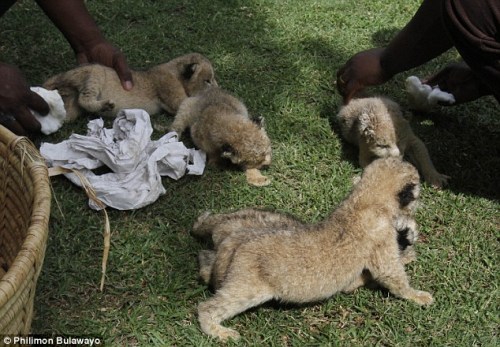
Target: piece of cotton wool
424	97
54	120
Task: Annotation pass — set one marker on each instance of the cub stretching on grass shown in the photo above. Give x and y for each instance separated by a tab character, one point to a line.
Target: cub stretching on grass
217	227
377	126
97	89
220	125
299	263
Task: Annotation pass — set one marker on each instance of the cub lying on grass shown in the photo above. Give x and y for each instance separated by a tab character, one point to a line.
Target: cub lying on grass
264	256
220	125
376	125
218	227
96	89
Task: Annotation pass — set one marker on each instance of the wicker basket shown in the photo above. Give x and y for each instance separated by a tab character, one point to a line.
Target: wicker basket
24	215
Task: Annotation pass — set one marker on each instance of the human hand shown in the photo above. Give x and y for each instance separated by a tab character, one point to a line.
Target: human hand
16	100
361	71
459	80
72	18
105	53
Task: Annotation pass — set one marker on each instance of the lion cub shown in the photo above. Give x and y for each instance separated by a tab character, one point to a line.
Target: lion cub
220	125
217	227
377	126
299	263
96	88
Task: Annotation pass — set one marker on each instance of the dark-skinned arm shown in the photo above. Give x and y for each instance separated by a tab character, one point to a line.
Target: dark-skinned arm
74	21
421	40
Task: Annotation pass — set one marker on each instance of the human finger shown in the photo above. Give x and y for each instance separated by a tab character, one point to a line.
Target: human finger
347	86
452	73
438	78
122	69
11	123
81	58
37	103
341	81
26	119
352	88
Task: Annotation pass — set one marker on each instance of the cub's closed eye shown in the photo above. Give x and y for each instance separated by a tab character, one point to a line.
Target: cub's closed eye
383	146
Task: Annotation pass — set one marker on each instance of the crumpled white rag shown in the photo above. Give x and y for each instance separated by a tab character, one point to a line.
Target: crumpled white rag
137	163
54	120
424	97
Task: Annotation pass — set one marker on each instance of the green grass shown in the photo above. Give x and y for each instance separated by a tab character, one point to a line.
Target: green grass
280	57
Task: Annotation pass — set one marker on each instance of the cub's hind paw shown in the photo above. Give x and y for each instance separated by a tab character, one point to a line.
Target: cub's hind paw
206	259
176	130
212	328
225	334
107	106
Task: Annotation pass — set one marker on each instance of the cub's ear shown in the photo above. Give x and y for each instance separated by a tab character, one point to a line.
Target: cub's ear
403	238
259	120
406	196
189	70
227	151
366	126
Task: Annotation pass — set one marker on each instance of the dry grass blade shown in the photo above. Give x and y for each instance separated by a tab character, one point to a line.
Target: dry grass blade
54	171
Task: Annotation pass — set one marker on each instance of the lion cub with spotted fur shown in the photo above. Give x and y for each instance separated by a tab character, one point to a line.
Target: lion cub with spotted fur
220	125
377	126
259	256
97	89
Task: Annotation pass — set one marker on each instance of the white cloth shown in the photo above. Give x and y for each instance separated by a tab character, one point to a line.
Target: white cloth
424	97
54	120
137	163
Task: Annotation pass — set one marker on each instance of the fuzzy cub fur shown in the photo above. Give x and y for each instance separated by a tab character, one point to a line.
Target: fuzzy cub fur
377	126
97	89
220	125
259	255
217	228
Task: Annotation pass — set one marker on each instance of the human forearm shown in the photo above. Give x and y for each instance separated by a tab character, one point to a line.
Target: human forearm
421	40
89	44
74	21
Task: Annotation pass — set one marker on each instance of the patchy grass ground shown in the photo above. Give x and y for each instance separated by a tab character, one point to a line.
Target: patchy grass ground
281	58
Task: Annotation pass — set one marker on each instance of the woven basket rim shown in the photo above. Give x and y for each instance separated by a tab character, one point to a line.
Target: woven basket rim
33	248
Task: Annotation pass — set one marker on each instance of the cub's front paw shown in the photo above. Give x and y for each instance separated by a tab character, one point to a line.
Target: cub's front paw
421	297
255	178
